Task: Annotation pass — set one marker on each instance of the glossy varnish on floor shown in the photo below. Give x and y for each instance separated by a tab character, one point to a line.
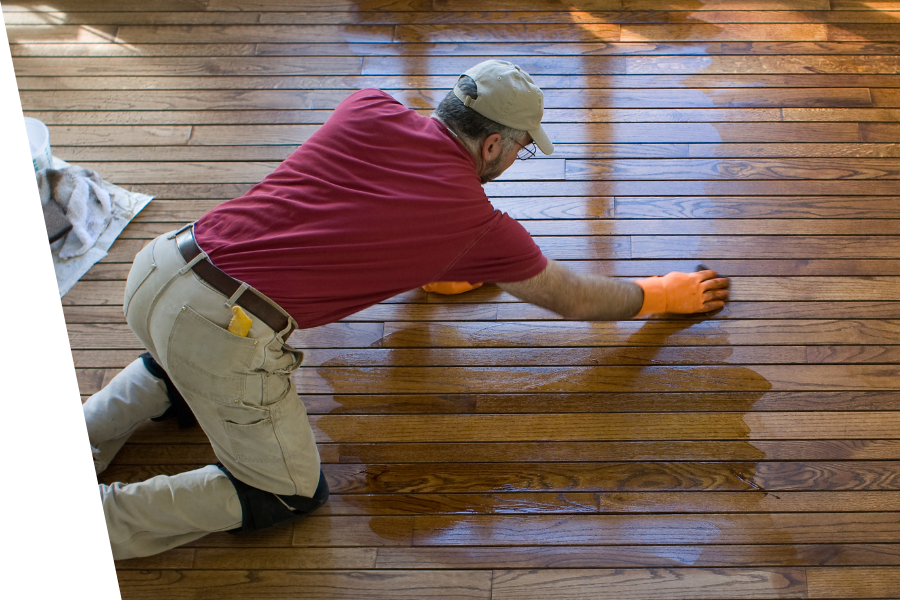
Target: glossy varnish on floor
478	447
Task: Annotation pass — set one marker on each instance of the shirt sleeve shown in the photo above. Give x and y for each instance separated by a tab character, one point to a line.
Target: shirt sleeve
504	253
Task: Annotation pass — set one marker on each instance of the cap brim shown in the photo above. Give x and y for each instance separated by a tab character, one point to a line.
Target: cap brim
543	142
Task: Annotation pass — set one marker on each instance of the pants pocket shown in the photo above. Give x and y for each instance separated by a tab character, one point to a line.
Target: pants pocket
255	442
207	363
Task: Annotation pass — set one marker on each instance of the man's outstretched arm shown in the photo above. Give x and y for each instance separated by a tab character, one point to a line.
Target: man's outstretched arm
596	298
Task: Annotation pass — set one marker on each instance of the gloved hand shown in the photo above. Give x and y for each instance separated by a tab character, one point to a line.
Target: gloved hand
683	293
450	287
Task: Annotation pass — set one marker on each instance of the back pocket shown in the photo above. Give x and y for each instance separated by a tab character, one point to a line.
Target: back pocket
206	361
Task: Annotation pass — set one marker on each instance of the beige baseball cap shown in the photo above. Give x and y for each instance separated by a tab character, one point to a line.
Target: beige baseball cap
508	95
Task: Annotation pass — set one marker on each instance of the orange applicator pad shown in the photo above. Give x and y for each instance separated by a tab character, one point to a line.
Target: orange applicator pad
450	287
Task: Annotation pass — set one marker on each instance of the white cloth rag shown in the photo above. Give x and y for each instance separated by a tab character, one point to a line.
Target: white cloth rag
83	195
125	205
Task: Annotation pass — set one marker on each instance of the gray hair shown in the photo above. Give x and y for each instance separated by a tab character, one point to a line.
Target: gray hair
471	127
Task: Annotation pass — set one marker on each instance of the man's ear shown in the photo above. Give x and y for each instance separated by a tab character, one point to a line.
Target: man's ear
492	148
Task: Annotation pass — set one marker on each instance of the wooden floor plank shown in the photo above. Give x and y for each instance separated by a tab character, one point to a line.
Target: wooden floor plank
622	115
285	558
164	445
750	247
720	207
641	402
554	557
860	49
611	503
526	530
618	65
652	98
645	584
871	132
847	80
884	97
725	32
581	530
795	168
270	33
349	585
840	114
632	333
853	582
106	5
438	17
637	32
661	379
860	31
578	557
594	427
237	65
764	477
730	5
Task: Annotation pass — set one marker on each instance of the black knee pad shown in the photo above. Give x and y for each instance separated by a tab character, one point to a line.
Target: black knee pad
178	407
262	509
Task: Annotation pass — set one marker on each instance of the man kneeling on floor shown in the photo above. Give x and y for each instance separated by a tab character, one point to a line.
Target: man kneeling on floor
337	227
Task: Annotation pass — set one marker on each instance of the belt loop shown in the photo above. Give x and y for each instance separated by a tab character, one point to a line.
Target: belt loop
193	262
175	233
237	294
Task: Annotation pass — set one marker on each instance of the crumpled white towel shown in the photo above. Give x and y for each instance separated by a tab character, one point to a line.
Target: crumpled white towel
125	205
83	195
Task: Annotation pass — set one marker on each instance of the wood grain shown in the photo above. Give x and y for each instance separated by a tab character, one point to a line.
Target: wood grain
436	16
616	426
552	502
853	582
484	452
562	557
587	49
657	583
797	168
317	585
848	73
632	333
590	530
632	477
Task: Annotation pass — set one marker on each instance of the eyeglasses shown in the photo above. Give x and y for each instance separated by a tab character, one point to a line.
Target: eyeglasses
527	152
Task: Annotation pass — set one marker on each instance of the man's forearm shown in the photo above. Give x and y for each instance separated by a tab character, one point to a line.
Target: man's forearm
579	297
604	299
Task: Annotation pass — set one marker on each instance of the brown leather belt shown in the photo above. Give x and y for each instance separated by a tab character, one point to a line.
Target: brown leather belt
262	308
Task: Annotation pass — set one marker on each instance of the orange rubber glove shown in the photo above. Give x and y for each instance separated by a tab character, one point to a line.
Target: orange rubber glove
450	287
683	293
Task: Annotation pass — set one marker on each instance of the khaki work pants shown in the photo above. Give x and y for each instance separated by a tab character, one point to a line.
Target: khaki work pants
239	389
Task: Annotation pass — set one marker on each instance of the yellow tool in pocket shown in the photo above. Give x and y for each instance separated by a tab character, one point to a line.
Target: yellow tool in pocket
240	322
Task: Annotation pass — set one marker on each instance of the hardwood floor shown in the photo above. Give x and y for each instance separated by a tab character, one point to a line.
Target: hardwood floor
478	447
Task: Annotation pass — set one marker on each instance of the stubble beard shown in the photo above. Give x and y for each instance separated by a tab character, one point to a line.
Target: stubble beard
492	170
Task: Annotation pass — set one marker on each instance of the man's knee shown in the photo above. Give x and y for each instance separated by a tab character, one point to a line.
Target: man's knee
262	509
